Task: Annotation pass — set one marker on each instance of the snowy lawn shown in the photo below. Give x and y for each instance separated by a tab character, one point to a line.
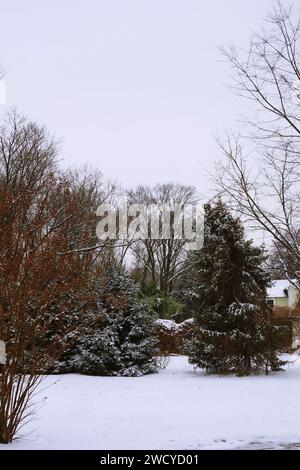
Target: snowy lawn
175	409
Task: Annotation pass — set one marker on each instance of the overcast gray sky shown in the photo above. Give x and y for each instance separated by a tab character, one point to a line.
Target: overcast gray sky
132	87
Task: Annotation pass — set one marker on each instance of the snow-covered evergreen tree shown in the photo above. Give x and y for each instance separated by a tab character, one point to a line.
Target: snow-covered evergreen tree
119	336
235	331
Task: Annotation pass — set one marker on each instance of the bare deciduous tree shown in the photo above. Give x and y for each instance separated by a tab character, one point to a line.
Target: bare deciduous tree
261	171
281	262
47	247
161	260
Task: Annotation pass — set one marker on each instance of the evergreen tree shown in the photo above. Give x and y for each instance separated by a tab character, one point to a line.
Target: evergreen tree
119	336
235	332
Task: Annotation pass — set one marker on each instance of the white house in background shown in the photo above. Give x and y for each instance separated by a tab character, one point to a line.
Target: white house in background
282	293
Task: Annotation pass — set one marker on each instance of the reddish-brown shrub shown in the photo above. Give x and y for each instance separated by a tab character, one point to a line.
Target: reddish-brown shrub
173	336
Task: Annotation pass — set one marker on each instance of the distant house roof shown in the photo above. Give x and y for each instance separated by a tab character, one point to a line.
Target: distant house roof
279	288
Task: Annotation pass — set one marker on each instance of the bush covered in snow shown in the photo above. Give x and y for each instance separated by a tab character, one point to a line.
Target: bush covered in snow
173	336
118	338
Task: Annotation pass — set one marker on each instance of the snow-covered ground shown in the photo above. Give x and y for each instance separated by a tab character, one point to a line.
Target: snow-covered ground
175	409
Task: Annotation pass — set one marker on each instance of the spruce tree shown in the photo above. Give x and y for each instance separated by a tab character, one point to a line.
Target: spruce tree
235	332
119	336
